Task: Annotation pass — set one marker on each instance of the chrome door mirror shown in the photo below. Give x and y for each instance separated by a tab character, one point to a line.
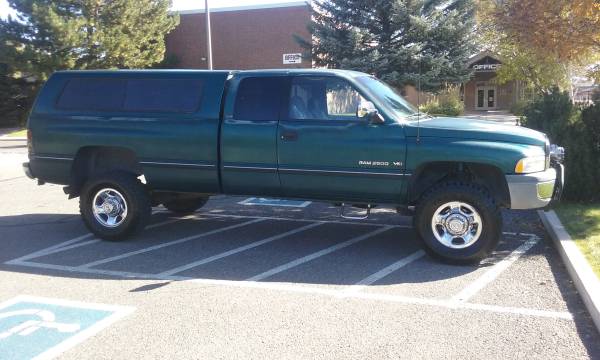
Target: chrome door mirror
367	109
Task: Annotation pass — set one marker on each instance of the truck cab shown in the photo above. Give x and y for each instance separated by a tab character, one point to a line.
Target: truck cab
123	141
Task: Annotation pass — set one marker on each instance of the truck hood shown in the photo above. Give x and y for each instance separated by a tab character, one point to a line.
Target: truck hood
464	128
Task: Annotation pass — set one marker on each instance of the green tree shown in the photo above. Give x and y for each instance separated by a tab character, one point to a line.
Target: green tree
50	35
396	40
544	42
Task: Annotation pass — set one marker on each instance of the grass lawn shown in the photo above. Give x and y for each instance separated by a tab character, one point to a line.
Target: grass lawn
583	224
18	133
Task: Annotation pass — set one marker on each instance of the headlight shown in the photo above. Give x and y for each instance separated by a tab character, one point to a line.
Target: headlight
531	164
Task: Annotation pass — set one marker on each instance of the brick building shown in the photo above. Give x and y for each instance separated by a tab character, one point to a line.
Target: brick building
248	37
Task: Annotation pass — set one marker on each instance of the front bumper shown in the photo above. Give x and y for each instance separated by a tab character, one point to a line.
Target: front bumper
536	190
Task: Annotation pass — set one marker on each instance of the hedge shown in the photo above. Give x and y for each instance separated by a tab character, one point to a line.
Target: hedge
578	131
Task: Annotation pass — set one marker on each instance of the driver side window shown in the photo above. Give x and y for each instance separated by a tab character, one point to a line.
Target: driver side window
323	98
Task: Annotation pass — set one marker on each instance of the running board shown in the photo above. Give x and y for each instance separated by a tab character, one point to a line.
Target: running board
365	216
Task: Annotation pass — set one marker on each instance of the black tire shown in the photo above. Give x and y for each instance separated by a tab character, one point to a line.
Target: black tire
473	195
136	199
185	205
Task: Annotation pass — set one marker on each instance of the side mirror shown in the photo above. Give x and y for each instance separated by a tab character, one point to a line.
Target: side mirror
367	109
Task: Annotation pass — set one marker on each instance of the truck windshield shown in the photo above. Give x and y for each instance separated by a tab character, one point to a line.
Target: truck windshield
388	96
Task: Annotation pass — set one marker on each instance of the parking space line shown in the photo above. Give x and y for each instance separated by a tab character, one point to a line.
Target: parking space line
315	291
76	242
316	255
236	250
384	272
69	247
490	275
42	252
171	243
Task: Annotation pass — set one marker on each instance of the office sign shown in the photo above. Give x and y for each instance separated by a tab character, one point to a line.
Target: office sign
486	67
292	58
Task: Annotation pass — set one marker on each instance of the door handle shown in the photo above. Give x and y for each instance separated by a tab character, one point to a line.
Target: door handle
289	136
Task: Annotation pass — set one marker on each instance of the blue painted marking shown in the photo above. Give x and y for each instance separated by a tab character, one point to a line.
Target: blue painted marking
37	327
275	202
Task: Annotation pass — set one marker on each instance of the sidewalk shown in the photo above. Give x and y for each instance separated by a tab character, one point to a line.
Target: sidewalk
5	131
501	116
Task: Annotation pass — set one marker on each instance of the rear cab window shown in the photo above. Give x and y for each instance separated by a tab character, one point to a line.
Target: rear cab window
259	98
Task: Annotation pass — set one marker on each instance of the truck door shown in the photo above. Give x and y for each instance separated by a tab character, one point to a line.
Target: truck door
249	135
327	152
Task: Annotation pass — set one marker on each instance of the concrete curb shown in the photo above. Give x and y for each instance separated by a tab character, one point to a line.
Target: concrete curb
586	282
12	138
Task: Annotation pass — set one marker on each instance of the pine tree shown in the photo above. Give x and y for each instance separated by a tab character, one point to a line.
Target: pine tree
396	40
50	35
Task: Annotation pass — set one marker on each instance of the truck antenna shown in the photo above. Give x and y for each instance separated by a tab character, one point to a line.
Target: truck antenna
419	103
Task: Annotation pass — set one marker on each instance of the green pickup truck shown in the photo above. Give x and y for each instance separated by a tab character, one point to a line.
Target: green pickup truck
124	141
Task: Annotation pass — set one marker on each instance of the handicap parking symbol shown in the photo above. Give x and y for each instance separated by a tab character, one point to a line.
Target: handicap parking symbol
42	328
275	202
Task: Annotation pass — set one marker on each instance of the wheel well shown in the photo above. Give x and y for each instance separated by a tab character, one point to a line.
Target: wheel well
488	176
92	160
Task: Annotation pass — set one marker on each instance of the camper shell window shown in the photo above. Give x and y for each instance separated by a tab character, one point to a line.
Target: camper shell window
135	95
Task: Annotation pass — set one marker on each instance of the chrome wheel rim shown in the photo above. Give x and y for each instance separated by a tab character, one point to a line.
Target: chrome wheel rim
109	207
456	225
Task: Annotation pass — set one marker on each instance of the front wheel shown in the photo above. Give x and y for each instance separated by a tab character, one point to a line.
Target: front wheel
458	222
114	206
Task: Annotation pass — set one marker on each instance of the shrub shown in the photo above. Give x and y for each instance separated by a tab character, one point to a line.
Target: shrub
578	130
518	107
446	103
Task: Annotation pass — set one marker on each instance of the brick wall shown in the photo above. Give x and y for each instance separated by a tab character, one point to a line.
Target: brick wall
241	39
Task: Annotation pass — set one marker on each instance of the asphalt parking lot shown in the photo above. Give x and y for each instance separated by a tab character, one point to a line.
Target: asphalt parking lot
251	281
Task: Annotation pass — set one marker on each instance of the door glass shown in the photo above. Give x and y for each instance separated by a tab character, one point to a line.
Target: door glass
324	98
491	99
258	98
480	96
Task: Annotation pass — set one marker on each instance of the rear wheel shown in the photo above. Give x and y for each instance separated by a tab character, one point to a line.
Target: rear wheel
185	205
114	206
458	222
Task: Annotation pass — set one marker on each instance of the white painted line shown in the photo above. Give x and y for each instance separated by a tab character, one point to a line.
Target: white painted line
316	255
315	291
63	302
496	269
70	247
384	272
171	243
75	243
75	269
42	252
235	251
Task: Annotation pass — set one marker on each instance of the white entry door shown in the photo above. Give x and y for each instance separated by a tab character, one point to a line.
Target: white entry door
485	97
